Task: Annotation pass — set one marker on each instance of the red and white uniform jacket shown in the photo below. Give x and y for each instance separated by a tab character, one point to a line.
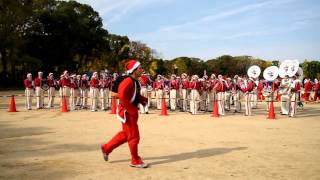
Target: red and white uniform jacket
105	83
129	98
195	85
144	81
212	83
73	84
184	84
247	87
38	82
65	82
84	84
220	86
94	83
28	84
159	84
308	87
173	84
228	86
51	82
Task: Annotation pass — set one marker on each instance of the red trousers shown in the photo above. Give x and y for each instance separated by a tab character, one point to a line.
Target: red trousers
130	134
306	97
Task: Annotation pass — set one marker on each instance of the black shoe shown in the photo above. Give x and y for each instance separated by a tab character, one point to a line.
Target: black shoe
147	112
105	155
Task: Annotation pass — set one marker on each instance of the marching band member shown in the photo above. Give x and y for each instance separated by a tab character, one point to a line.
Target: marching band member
307	90
84	86
254	93
65	83
158	86
94	91
78	93
259	89
285	95
173	87
295	88
29	85
236	94
51	91
195	86
204	93
105	85
316	90
212	93
39	90
268	92
220	88
247	87
145	82
227	94
183	88
73	92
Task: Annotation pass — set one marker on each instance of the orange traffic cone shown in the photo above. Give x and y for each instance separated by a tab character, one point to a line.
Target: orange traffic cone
64	107
12	107
272	115
215	112
113	106
163	107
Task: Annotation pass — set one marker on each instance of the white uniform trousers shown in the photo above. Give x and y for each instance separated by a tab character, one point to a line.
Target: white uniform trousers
184	99
247	99
72	99
159	94
51	94
227	100
293	104
237	102
94	93
28	93
220	98
254	99
39	97
211	100
173	99
144	109
104	98
84	98
194	101
285	104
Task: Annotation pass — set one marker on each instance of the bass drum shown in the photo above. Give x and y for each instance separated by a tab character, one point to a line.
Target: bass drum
44	85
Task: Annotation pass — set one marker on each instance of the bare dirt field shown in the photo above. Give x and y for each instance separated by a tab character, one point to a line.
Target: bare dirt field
49	144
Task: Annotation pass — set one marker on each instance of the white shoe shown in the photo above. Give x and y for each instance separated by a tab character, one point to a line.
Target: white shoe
143	165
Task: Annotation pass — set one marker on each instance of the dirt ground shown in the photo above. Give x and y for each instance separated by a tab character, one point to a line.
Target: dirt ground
48	144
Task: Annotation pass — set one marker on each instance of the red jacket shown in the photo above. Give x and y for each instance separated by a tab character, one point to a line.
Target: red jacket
195	85
173	84
159	84
94	83
126	91
184	84
65	82
37	82
27	83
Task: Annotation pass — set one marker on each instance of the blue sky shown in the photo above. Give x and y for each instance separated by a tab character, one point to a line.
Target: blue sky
268	29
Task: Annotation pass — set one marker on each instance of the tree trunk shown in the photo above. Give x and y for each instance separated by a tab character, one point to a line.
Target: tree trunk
4	60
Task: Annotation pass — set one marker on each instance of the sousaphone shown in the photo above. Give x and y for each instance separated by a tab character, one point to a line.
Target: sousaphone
254	71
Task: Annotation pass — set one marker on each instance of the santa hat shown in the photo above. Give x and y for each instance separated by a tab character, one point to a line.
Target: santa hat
132	65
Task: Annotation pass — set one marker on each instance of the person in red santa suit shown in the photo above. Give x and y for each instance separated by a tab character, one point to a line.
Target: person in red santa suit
316	90
127	113
307	90
183	88
158	86
173	88
39	90
145	81
94	91
105	85
29	85
51	91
